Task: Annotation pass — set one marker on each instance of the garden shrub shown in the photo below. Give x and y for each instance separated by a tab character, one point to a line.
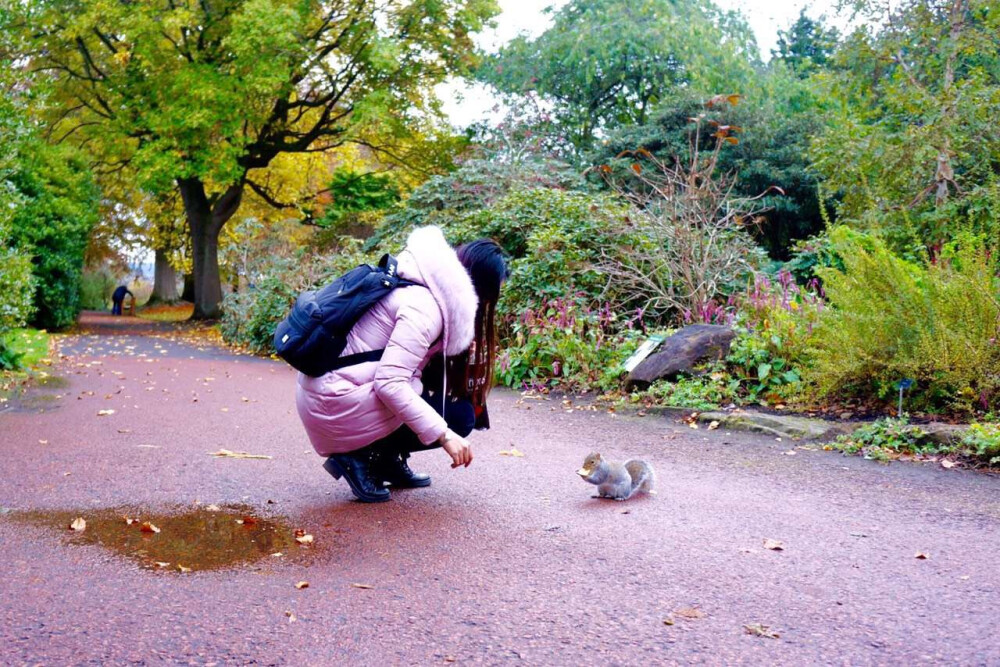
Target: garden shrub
885	439
96	287
60	201
983	442
890	319
554	239
770	356
713	389
252	313
17	288
567	345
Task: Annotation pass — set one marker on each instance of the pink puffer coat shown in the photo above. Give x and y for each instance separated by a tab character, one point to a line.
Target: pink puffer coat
352	407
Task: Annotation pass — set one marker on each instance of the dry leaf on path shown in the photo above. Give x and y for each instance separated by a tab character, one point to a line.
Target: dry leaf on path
105	413
690	613
304	539
79	525
147	527
921	556
948	464
182	569
227	454
713	425
302	584
161	564
513	451
291	616
774	545
364	586
758	630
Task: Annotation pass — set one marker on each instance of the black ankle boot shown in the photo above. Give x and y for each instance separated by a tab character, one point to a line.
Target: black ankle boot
356	468
391	467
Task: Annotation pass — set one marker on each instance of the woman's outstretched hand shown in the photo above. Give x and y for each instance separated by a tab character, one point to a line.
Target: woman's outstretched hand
458	448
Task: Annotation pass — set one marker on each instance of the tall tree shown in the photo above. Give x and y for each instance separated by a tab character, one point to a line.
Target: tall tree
807	44
910	146
608	63
200	96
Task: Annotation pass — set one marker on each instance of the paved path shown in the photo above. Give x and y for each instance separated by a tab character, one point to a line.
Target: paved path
507	562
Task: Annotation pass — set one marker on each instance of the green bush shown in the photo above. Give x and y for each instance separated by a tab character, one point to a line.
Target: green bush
890	319
983	442
565	344
885	439
60	202
711	390
251	314
770	355
555	240
96	287
17	290
17	287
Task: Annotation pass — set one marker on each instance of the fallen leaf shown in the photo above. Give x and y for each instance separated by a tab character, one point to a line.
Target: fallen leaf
364	586
302	584
277	554
758	630
291	616
921	556
43	442
513	451
948	464
182	569
124	430
105	413
713	425
147	527
304	539
690	613
668	621
160	564
226	454
129	520
774	545
247	521
79	525
212	508
693	425
790	452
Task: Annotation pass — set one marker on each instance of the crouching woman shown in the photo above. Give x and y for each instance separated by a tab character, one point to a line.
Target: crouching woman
368	418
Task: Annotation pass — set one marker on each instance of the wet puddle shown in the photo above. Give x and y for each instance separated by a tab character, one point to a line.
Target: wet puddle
206	538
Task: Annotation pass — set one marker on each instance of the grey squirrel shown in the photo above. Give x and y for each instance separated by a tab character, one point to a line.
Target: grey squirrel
618	480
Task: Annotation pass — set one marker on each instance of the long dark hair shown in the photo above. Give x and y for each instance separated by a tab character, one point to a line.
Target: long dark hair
484	260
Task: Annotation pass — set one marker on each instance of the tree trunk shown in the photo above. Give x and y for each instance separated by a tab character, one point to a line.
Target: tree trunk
164	280
187	294
205	220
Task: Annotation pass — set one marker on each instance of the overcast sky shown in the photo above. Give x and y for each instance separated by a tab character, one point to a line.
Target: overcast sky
466	104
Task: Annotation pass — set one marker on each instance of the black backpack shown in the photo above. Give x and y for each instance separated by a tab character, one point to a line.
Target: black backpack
315	332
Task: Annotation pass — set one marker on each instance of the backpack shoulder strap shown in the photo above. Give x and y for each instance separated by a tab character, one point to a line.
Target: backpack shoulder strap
389	265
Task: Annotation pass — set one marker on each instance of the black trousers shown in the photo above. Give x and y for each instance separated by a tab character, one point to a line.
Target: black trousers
458	413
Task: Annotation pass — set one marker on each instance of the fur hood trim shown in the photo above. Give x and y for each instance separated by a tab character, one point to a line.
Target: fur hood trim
436	266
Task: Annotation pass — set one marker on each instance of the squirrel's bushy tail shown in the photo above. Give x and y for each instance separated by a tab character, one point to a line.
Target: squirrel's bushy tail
643	477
